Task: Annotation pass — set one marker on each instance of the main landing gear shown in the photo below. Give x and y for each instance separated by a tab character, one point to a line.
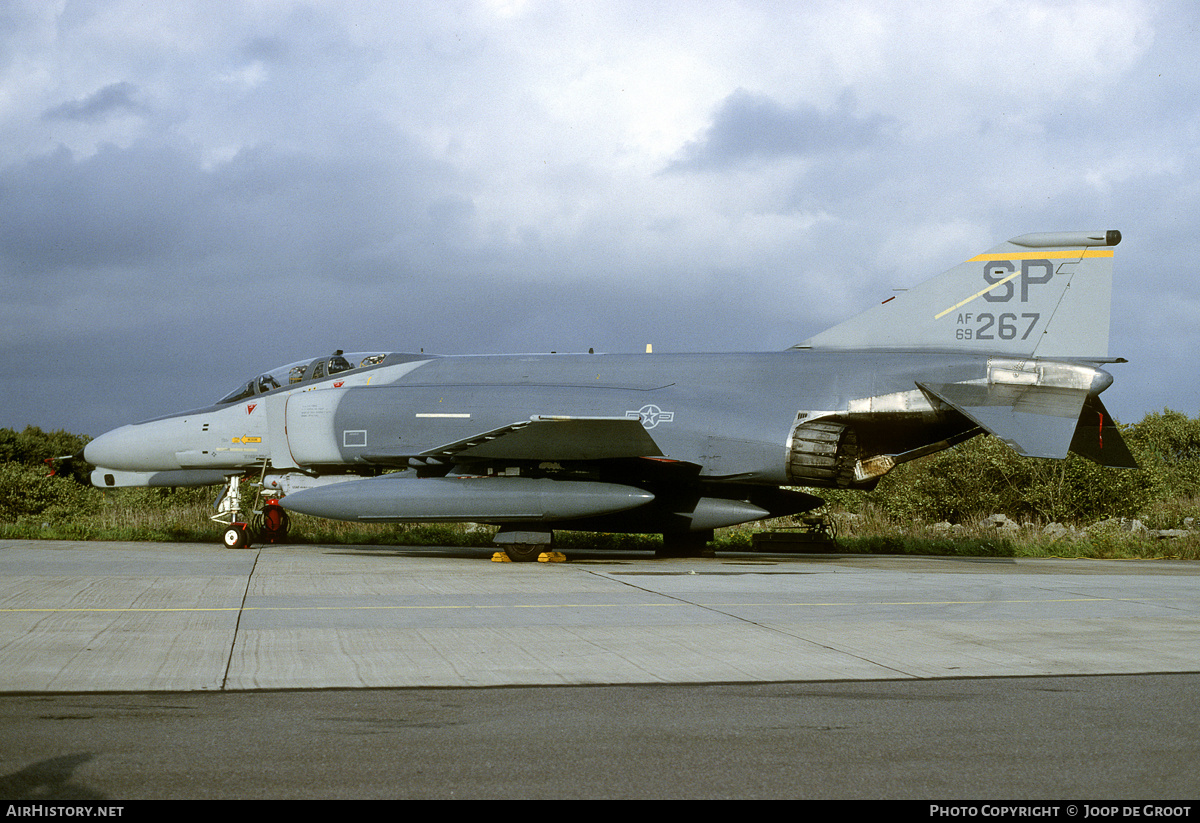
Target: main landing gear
522	543
268	524
526	543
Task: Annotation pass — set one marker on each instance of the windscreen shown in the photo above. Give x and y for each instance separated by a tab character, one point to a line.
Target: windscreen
300	371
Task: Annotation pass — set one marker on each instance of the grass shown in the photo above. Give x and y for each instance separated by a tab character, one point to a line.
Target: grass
873	538
872	532
183	516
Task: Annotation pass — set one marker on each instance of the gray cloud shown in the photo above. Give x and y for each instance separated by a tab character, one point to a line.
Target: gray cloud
752	126
160	205
117	98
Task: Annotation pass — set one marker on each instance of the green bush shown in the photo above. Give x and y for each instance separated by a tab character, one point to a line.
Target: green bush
1167	446
26	492
983	476
32	447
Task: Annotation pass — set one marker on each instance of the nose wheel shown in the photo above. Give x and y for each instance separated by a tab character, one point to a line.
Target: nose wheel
237	536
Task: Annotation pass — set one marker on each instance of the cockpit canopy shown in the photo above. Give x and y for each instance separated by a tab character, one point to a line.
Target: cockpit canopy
303	371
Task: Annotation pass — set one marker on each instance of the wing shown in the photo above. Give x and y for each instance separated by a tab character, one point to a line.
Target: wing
542	437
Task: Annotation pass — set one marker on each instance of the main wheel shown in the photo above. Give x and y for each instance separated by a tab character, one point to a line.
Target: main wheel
236	536
524	552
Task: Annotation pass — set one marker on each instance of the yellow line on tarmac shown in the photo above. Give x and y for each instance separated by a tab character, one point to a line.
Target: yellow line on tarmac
589	605
335	608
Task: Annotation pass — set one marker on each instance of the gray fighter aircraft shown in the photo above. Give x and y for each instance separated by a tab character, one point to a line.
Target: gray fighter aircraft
1008	342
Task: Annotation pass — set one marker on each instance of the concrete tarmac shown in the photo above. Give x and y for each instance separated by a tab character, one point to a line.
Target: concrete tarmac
155	617
143	670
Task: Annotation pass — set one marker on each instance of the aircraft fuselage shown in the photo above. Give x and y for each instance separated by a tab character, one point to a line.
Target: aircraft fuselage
730	414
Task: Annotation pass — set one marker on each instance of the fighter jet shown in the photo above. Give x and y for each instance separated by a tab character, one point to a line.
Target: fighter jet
1010	342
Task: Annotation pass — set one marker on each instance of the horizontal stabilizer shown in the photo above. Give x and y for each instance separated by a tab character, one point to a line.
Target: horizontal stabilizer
1036	421
1040	421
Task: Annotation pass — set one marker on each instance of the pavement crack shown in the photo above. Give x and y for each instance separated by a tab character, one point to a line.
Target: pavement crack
237	626
741	619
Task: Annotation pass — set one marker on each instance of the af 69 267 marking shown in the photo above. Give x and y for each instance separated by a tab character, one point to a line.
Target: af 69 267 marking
987	326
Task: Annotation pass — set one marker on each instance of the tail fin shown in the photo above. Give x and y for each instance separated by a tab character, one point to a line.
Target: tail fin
1043	295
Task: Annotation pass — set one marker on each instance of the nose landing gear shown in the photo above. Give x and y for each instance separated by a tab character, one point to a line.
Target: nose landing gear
268	524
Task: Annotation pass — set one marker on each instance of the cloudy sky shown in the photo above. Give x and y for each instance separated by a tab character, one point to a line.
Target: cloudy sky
193	192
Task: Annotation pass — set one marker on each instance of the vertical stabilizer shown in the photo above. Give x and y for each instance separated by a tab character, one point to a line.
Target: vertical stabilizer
1043	295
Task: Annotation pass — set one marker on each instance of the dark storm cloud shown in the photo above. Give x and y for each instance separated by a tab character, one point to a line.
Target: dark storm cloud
117	206
167	267
117	98
153	205
749	126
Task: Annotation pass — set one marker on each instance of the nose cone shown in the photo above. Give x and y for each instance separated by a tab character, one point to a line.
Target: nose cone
140	447
112	449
